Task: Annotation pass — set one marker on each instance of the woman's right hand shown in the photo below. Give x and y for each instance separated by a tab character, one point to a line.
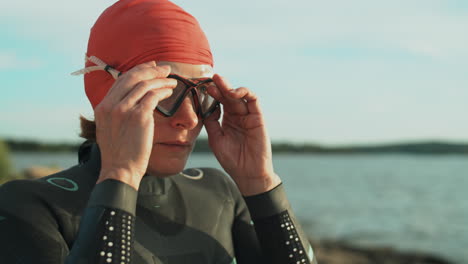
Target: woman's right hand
125	124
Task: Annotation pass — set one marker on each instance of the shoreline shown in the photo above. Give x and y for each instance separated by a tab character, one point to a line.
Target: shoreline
202	146
339	252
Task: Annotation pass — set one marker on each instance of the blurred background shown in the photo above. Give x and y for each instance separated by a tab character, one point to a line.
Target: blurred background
365	103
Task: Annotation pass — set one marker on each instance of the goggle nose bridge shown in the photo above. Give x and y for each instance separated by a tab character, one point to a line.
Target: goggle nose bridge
190	88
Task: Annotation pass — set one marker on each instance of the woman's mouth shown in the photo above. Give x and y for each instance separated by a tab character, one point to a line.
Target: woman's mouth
175	145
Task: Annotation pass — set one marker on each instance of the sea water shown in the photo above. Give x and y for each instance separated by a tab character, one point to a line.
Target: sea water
409	202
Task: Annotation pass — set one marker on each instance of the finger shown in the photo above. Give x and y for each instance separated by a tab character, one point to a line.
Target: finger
143	87
223	86
214	92
151	99
213	127
128	80
250	99
226	96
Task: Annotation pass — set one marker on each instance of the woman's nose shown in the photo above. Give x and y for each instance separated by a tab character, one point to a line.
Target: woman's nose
186	116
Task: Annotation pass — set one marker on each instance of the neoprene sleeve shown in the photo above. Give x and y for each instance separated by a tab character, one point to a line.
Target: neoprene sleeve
107	227
277	228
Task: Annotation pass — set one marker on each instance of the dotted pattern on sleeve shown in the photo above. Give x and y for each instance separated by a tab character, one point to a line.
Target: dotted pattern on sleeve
116	241
280	239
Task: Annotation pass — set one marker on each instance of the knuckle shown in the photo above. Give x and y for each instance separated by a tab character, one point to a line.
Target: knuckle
150	64
151	93
102	109
118	111
164	70
245	89
144	84
132	75
143	65
249	93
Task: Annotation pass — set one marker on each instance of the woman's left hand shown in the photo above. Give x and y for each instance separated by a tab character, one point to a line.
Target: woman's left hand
241	143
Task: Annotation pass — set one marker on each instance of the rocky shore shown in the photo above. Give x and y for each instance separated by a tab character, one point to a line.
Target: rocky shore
337	252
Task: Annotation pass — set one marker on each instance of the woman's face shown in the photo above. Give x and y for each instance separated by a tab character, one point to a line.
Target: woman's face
174	137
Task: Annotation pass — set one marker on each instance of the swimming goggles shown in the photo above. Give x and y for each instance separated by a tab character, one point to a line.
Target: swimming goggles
203	103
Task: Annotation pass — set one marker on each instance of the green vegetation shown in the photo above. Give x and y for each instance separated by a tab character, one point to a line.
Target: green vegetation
35	146
5	164
429	147
410	148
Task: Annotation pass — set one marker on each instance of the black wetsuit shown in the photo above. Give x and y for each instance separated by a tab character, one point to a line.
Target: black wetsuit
197	217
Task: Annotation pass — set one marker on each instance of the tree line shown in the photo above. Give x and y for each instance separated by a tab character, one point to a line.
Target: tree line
202	146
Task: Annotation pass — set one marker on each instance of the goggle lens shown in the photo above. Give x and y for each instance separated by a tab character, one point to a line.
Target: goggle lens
204	103
207	102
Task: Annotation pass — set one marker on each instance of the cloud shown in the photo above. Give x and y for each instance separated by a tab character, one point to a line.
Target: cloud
63	25
11	61
430	28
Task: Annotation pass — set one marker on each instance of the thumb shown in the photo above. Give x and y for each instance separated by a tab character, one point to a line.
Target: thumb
213	127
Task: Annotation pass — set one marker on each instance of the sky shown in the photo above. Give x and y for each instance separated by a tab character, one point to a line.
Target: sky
326	72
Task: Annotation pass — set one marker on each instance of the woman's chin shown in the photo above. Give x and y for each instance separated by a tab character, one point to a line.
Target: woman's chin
165	170
163	164
162	174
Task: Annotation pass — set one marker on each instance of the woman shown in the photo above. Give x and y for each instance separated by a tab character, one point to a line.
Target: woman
150	80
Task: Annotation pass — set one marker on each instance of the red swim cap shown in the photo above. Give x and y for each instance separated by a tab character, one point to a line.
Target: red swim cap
131	32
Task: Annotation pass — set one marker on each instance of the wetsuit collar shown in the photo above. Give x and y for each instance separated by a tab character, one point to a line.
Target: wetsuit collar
152	185
89	156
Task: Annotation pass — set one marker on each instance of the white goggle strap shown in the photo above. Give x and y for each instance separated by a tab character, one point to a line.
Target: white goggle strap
100	66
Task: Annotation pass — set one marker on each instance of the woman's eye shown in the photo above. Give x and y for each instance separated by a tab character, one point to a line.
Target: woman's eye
202	89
